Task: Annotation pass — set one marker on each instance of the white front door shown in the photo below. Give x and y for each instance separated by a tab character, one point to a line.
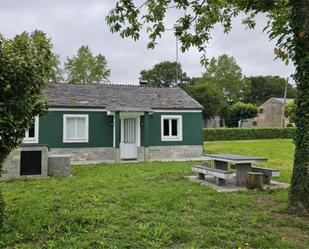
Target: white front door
128	145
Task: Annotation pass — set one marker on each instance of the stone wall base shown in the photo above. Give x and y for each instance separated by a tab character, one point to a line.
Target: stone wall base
81	155
60	158
177	152
59	165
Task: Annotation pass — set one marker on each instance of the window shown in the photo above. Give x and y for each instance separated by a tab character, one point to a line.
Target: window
254	123
261	111
75	128
32	134
171	128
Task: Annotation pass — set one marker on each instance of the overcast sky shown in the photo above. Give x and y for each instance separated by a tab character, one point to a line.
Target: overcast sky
72	23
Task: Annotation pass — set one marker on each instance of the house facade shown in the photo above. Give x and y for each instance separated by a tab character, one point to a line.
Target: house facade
113	123
270	114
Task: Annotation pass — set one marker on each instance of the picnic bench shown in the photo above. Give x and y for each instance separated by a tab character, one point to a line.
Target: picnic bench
221	175
242	165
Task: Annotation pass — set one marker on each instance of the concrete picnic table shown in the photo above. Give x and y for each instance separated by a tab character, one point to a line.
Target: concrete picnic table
242	164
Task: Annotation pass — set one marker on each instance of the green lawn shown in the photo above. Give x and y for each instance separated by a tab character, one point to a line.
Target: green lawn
152	205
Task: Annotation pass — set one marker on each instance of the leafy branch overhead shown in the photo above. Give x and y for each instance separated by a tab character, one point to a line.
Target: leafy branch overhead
198	19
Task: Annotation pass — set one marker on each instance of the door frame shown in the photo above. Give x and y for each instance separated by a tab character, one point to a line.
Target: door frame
137	117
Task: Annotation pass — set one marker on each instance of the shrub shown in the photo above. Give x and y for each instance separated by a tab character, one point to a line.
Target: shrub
217	134
241	111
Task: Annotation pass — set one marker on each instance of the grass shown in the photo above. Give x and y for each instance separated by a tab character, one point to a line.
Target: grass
151	205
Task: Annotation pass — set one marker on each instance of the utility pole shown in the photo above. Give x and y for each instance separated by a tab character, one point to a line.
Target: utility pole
284	100
177	76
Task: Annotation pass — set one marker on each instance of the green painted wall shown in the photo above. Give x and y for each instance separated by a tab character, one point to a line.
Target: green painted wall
192	133
100	130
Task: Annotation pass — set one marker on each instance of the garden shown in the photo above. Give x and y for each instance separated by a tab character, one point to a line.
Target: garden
153	205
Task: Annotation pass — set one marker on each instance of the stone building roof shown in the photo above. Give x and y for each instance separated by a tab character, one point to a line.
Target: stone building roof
118	97
281	100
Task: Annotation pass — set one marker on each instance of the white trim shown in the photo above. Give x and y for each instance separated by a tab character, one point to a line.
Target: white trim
35	139
176	111
114	132
179	128
130	114
77	110
76	140
138	131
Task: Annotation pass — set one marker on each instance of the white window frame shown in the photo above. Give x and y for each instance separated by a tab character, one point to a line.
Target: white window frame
179	128
75	140
35	139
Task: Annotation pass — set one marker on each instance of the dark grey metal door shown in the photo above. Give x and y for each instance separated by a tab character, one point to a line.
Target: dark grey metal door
30	162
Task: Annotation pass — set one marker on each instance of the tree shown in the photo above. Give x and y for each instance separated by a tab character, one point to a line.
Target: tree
85	68
264	87
227	73
56	74
288	23
26	63
290	110
165	74
241	111
209	95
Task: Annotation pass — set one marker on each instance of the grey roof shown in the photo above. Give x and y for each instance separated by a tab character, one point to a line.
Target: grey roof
281	100
118	97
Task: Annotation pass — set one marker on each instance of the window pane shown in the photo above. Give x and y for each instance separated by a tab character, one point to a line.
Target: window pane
31	132
174	127
81	127
166	128
71	129
129	131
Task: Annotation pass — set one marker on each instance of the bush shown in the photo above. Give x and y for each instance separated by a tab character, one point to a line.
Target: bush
219	134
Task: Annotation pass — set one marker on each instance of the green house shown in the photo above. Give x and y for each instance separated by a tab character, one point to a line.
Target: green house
111	123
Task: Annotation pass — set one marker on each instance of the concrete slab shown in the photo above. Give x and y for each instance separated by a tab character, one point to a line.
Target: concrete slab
230	184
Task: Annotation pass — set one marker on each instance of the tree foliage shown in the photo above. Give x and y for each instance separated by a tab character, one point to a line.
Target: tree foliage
26	63
290	110
85	68
164	75
241	111
261	88
288	25
209	95
225	71
197	19
57	73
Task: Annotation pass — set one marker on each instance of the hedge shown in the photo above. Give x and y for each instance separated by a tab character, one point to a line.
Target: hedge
218	134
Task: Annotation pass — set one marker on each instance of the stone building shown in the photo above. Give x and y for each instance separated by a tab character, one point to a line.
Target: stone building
270	114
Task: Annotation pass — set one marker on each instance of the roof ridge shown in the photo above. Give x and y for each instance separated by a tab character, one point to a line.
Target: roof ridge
112	84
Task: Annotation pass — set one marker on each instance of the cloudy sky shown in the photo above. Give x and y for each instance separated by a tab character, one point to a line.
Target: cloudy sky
72	23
